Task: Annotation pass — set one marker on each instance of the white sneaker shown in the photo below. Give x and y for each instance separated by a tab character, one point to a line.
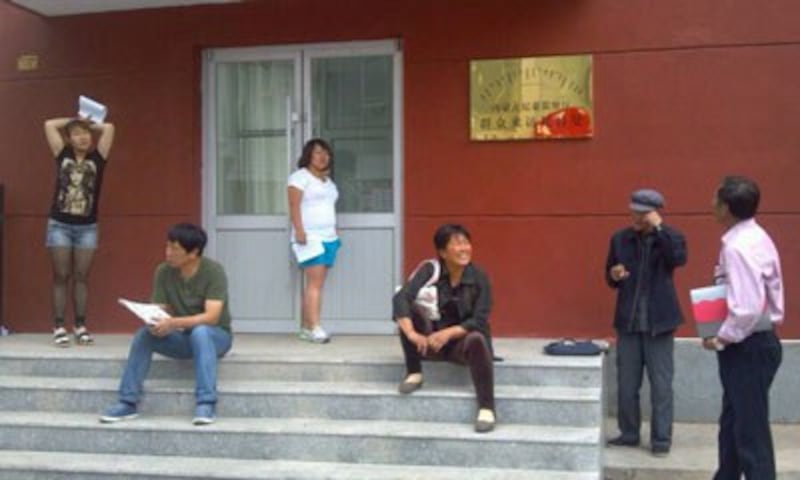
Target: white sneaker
318	335
305	334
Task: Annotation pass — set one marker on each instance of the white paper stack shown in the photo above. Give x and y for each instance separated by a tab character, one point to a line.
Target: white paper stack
306	251
149	313
91	109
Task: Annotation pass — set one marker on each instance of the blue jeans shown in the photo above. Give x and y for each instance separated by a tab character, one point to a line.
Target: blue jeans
204	344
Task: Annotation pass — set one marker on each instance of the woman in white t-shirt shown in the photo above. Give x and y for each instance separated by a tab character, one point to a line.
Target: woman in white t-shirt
312	209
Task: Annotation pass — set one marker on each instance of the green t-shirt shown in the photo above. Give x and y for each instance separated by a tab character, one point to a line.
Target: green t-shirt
188	296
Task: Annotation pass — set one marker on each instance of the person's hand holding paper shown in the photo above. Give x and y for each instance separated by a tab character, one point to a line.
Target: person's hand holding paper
306	251
162	327
150	313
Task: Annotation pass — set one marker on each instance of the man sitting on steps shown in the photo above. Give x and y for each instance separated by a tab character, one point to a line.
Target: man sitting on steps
194	290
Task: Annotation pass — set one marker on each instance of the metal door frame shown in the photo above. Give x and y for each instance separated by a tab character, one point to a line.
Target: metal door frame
301	131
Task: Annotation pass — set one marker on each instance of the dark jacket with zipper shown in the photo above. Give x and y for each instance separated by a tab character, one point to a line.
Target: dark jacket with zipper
654	278
468	304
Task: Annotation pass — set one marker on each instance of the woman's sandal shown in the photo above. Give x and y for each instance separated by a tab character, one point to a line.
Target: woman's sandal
485	421
60	337
82	336
407	386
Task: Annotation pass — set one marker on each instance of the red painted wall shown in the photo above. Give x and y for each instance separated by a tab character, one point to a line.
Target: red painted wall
685	92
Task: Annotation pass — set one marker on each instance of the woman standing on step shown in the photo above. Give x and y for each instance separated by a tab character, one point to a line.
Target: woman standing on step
461	334
72	225
312	209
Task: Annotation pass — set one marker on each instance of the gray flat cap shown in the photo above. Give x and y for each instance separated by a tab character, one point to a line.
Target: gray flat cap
646	200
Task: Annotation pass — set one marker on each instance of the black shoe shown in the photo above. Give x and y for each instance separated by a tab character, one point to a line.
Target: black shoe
622	442
660	451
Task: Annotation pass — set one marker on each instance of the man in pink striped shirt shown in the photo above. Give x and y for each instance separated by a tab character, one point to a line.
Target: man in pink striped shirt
748	351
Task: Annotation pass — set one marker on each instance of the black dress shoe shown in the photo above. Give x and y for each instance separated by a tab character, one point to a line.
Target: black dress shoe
622	442
660	451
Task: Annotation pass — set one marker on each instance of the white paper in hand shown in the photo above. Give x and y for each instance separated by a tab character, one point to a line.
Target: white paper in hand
91	109
312	248
150	313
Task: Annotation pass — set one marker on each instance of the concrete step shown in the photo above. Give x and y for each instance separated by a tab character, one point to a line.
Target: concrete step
694	454
281	357
523	405
30	465
542	372
375	441
301	410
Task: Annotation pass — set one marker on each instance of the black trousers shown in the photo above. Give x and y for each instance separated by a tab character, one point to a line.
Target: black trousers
637	352
471	350
746	370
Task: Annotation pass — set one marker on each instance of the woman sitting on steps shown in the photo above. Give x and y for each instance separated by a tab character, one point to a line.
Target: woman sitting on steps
461	334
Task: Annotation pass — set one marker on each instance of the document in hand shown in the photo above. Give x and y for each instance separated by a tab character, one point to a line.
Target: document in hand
150	313
91	109
312	248
710	309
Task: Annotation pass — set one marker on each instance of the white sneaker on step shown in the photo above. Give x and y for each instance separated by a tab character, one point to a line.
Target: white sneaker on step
317	335
320	335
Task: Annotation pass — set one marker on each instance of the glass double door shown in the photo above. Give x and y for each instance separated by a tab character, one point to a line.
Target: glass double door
260	106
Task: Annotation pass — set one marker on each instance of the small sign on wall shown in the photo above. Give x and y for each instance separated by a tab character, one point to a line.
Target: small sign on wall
531	98
27	62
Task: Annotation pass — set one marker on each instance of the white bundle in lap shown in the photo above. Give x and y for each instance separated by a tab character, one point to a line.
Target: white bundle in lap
427	302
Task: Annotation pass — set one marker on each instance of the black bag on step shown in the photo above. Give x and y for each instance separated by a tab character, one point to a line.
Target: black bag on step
570	346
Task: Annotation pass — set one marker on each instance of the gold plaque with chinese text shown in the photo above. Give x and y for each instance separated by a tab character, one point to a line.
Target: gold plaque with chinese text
533	97
27	62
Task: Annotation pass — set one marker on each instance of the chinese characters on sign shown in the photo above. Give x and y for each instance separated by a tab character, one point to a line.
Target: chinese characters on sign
537	97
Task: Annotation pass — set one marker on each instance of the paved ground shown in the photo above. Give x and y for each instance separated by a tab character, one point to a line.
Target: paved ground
693	455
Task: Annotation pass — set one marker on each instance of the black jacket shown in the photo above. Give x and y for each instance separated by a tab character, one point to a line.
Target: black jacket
668	252
467	305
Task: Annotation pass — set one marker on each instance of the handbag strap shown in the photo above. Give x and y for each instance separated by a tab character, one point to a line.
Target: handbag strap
437	270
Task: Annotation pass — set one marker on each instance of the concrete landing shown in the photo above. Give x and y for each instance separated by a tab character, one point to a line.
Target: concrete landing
693	455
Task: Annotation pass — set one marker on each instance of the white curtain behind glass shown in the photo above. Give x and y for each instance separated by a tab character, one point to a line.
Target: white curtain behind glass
252	137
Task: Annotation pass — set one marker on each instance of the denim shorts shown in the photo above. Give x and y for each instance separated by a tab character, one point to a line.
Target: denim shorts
61	234
327	258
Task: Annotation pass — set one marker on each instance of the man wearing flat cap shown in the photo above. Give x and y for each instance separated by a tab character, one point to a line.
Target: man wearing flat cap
640	265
